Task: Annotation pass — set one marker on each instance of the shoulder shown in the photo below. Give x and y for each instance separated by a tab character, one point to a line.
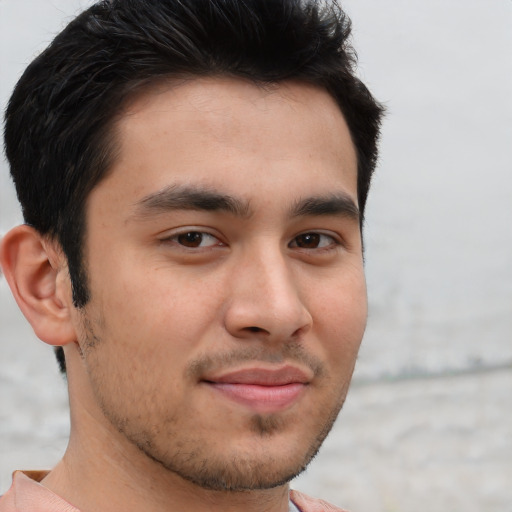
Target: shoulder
308	504
28	495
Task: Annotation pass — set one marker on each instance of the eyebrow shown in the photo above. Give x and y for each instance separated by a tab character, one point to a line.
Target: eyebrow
187	197
193	197
338	204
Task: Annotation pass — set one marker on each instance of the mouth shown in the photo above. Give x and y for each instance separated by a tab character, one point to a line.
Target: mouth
262	390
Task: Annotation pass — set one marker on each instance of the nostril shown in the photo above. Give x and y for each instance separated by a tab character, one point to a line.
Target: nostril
255	329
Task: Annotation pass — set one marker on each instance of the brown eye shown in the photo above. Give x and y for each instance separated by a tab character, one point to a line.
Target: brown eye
308	241
196	239
314	241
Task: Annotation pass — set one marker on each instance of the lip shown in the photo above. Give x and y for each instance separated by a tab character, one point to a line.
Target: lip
262	390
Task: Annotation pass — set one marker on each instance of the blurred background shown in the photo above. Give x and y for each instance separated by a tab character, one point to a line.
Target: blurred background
428	422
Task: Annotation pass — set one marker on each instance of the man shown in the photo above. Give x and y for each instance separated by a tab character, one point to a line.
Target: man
193	177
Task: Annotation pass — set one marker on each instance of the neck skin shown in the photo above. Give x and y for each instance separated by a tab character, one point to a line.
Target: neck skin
101	470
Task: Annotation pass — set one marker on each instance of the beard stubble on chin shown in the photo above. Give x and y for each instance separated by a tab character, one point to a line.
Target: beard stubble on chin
193	459
239	474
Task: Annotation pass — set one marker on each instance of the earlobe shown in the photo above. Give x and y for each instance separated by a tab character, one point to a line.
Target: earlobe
37	275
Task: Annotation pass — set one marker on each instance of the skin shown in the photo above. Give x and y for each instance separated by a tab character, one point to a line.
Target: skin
258	271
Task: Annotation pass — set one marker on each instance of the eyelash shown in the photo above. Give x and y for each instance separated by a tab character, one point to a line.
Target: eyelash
315	235
174	238
307	237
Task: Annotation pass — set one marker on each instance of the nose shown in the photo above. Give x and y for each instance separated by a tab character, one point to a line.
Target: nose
265	300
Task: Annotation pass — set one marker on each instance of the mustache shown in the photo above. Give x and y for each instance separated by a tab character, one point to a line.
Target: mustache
287	352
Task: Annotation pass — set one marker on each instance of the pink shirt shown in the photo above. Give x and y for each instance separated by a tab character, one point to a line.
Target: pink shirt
28	495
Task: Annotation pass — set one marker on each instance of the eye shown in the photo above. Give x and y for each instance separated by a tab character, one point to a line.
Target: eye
313	241
194	239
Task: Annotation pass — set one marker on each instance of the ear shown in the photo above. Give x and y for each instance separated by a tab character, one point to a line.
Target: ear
36	270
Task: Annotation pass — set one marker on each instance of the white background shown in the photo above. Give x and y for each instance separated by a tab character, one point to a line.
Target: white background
428	424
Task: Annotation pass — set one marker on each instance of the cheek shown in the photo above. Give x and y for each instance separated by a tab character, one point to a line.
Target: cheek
341	320
158	313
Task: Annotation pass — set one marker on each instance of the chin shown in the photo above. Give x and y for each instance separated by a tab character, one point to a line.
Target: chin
240	474
270	457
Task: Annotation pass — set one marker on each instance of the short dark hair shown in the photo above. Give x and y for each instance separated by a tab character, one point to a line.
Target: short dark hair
58	123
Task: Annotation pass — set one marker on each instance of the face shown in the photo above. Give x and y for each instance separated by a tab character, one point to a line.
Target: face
225	268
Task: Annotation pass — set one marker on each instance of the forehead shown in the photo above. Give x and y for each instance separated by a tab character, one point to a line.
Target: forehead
233	134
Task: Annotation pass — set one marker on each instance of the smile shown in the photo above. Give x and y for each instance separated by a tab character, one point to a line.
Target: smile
262	390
